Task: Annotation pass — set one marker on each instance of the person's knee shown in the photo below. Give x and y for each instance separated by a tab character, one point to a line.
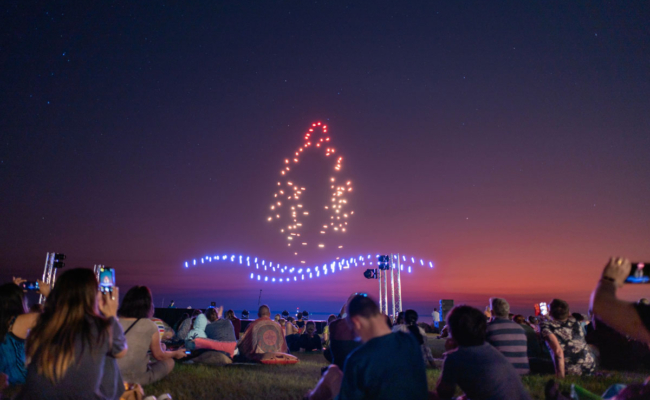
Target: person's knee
333	378
334	369
333	374
169	364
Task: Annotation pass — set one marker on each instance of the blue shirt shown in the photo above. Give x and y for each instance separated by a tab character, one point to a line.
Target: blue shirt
198	331
483	373
387	367
12	359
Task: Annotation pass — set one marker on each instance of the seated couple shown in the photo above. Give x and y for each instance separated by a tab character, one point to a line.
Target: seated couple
212	326
211	332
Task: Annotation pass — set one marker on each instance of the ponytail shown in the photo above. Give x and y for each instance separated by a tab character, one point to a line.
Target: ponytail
415	330
411	319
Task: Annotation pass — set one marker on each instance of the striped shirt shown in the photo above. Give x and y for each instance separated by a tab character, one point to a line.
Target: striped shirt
510	339
160	325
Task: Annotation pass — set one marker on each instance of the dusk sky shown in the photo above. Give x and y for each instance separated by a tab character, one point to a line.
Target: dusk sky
508	143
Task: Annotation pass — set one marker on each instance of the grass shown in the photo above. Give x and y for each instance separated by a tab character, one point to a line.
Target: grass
269	382
192	382
241	382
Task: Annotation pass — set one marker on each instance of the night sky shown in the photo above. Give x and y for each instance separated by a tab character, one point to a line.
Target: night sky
507	142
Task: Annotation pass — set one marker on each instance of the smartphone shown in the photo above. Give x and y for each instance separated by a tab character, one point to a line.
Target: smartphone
640	273
543	308
188	352
538	311
106	279
30	286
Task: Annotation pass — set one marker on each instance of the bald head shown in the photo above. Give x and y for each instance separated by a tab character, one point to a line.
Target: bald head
264	311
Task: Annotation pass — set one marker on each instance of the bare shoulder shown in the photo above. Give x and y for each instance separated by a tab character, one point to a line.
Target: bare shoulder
24	323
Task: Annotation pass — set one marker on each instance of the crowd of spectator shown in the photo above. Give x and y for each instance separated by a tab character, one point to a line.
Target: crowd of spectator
82	344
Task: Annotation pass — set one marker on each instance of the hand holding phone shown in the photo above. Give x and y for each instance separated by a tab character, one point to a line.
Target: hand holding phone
617	270
18	281
181	353
110	302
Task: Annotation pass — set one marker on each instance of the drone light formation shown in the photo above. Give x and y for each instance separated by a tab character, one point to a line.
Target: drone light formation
273	272
287	209
292	217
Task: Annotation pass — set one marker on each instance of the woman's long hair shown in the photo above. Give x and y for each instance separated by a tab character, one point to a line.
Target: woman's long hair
12	304
411	319
69	315
137	303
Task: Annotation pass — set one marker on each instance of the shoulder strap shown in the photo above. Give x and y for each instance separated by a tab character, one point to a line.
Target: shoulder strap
132	325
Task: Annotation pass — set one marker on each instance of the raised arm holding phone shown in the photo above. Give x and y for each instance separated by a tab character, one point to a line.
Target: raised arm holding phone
15	323
626	317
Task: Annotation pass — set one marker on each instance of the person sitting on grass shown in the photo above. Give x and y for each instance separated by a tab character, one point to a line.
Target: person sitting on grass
539	359
141	336
69	347
186	326
507	336
479	369
326	331
386	366
292	334
262	336
15	323
566	339
219	329
236	322
199	324
400	320
310	341
410	326
179	323
300	323
342	339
